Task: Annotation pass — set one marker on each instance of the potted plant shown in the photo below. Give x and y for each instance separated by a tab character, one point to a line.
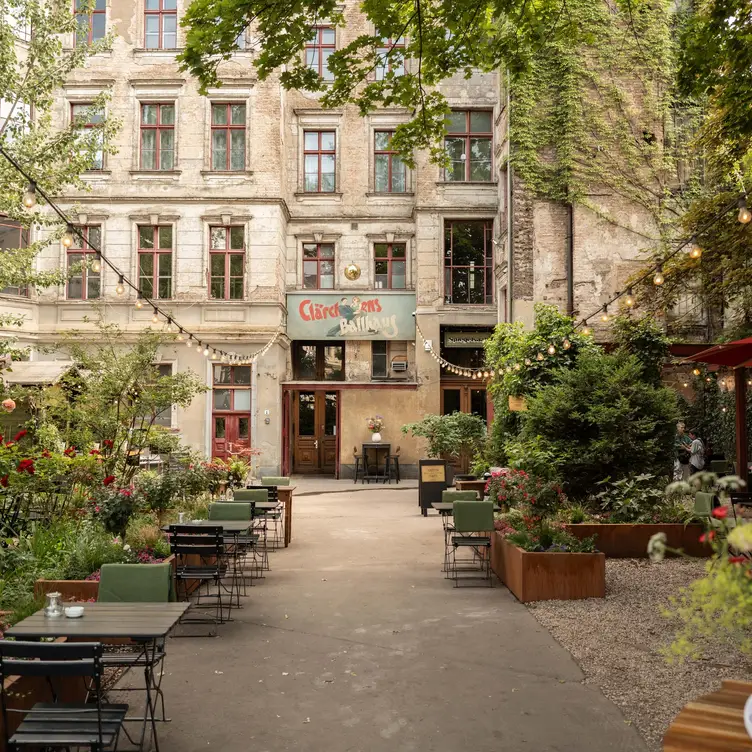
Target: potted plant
375	425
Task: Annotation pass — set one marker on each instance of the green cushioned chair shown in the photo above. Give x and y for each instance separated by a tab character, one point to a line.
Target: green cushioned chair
470	519
704	503
230	510
136	583
274	480
453	495
251	494
720	467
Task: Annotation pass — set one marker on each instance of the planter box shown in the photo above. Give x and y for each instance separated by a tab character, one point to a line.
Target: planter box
625	541
547	576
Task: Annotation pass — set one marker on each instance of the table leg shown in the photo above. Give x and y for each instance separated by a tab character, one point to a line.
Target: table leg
287	497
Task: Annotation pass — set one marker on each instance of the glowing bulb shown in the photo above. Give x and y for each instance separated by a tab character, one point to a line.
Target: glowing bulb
492	374
723	409
586	330
528	362
604	317
189	341
695	251
539	356
155	317
206	350
485	374
551	350
517	366
475	375
566	344
708	379
214	355
168	327
29	199
658	278
696	371
96	265
180	336
139	302
745	215
629	299
67	239
685	384
120	287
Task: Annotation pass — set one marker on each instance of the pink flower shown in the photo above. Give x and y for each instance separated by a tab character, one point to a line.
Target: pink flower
20	434
109	479
720	513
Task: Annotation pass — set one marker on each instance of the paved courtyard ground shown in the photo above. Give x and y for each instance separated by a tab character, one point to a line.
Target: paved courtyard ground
355	641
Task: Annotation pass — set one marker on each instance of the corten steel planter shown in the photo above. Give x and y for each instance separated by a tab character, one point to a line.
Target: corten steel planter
627	541
533	576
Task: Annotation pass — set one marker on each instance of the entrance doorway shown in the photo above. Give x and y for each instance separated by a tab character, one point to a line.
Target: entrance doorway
315	429
231	410
464	398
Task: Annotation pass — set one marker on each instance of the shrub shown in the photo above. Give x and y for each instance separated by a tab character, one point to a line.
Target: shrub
635	500
451	435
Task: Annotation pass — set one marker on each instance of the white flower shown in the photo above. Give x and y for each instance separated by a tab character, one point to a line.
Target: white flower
657	547
741	537
126	547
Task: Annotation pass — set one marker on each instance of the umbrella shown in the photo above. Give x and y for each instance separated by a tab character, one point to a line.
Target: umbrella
736	355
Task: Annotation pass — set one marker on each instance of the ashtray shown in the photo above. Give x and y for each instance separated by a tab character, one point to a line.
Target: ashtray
74	612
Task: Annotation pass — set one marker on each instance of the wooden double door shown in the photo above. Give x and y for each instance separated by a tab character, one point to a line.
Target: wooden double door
315	431
459	397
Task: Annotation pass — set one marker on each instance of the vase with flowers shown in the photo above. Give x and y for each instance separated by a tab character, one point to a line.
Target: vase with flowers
375	425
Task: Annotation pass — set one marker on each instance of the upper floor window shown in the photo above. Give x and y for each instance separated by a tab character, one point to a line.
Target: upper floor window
161	24
232	389
468	262
92	22
15	18
320	159
391	58
155	261
228	137
468	145
226	262
157	136
13	236
389	170
318	50
318	266
85	120
85	283
390	266
318	361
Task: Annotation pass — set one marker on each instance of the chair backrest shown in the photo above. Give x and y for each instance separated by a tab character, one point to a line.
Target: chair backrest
704	503
204	541
231	510
473	516
275	480
454	495
719	466
135	583
251	494
273	493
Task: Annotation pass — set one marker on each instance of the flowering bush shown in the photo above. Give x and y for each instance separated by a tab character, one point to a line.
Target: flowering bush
517	490
113	506
536	534
375	424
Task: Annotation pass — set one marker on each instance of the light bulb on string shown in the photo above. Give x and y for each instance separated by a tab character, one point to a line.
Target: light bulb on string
492	373
539	356
685	384
745	215
139	301
120	287
155	316
485	374
604	316
29	198
206	350
189	341
696	371
566	344
517	366
551	350
180	336
586	330
629	300
168	327
695	251
658	277
528	362
67	239
214	355
96	265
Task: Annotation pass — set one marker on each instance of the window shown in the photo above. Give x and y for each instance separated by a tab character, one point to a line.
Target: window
85	120
388	359
161	24
468	262
390	266
228	136
318	266
12	236
379	364
391	58
92	25
18	117
226	261
163	417
155	261
85	284
319	155
157	136
242	41
318	49
232	388
468	145
318	361
389	171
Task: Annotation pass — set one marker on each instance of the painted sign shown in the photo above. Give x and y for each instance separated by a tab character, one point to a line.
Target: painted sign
379	315
465	339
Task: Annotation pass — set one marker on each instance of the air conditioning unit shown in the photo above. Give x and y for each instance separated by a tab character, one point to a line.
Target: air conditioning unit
399	365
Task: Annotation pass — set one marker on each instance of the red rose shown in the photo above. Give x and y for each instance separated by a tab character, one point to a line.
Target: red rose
70	452
707	537
732	559
4	481
109	479
20	434
720	513
95	451
46	453
108	443
96	509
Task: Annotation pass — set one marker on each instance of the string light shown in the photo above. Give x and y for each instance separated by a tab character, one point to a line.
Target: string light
528	362
96	265
214	355
629	299
566	344
29	199
139	301
695	251
180	336
539	356
67	239
745	215
604	315
206	349
551	350
658	278
696	371
155	316
189	341
586	330
685	384
168	326
120	287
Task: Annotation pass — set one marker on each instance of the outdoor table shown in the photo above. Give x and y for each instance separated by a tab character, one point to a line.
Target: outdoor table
471	485
284	494
145	623
373	471
233	527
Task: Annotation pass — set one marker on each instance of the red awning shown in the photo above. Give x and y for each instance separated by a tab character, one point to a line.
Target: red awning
732	354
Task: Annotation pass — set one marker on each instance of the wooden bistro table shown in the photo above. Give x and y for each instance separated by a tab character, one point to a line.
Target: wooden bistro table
471	485
284	494
147	624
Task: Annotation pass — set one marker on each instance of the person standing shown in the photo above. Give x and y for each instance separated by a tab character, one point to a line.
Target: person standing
696	453
682	443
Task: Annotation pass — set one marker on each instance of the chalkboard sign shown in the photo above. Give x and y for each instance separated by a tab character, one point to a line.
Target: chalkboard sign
431	483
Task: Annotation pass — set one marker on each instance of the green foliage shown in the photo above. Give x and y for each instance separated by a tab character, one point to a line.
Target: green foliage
601	419
454	435
644	338
157	491
544	536
638	499
113	507
529	455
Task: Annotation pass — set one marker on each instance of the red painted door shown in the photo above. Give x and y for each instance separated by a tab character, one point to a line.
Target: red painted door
232	434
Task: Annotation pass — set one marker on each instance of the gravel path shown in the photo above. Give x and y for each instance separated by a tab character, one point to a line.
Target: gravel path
617	640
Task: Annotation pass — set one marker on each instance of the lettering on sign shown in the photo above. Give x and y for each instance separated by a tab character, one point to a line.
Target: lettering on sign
433	474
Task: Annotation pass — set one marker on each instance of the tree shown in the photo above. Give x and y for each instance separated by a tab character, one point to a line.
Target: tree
31	73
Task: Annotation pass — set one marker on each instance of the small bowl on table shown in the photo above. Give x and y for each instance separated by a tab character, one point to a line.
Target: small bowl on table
74	612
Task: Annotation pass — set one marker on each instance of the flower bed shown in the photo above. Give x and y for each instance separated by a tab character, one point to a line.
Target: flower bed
630	541
540	576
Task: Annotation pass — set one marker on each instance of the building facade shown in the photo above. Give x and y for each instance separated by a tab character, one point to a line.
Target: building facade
253	212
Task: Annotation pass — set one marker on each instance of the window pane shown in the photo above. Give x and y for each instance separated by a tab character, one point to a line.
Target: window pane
311	141
221	399
468	243
237	154
456	122
310	275
455	148
327	141
146	264
398	275
237	238
217	288
244	428
480	159
236	265
219	428
380	250
149	114
219	150
459	285
222	374
242	399
399	176
169	4
334	362
169	32
307	411
165	236
98	26
152	5
237	114
378	359
309	250
381	278
476	286
165	264
167	114
148	149
217	261
326	74
166	156
382	139
381	184
312	59
327	36
236	288
93	286
218	238
152	32
219	114
480	122
242	374
327	251
326	276
145	237
95	236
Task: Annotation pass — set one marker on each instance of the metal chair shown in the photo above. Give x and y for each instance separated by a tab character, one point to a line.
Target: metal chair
94	726
360	467
394	467
275	480
471	518
450	495
260	519
239	545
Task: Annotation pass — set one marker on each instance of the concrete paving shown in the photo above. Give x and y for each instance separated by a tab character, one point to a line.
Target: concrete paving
355	641
310	485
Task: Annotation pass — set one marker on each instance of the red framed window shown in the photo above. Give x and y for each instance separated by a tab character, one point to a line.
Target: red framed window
468	139
157	136
318	50
85	283
155	249
390	175
92	24
318	266
391	58
468	262
87	120
228	137
390	266
12	236
320	161
226	262
231	410
160	24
